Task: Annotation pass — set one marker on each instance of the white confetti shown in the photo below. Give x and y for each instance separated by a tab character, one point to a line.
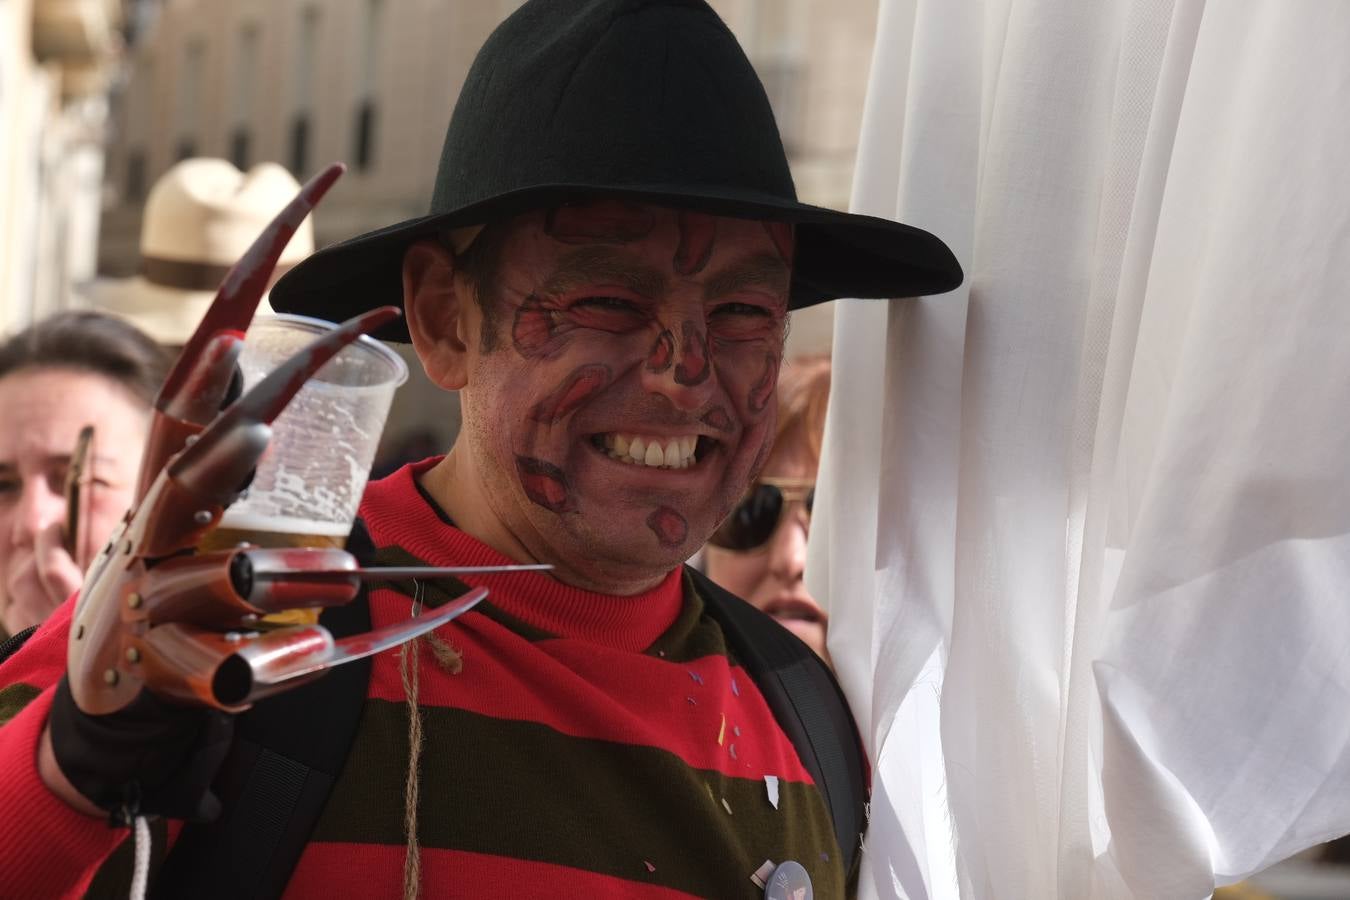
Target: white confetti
726	805
771	785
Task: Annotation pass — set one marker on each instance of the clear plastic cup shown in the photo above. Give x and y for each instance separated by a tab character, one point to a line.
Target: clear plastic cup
310	480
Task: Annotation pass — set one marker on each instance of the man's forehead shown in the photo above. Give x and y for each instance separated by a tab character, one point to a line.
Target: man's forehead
605	220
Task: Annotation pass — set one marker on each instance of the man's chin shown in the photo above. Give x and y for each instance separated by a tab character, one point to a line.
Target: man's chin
649	548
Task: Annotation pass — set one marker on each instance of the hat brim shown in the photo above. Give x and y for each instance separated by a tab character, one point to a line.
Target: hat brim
168	315
837	254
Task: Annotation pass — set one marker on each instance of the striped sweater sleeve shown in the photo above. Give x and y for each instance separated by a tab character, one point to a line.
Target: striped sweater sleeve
47	849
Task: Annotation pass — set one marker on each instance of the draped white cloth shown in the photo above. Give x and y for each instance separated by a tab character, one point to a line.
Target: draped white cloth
1084	524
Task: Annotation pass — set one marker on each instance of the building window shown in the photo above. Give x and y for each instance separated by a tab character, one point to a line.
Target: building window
239	147
300	145
363	145
306	58
784	79
190	97
364	150
246	76
136	175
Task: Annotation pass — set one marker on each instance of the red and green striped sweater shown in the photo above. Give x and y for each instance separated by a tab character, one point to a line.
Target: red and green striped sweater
590	746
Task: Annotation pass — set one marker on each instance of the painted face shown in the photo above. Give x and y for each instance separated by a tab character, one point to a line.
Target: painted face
770	577
627	402
43	411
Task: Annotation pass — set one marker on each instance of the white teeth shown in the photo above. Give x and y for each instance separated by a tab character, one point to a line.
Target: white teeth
658	452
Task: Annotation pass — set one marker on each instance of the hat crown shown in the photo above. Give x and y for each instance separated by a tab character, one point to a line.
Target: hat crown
207	211
542	105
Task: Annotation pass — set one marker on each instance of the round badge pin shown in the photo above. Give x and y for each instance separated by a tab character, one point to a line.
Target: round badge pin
789	881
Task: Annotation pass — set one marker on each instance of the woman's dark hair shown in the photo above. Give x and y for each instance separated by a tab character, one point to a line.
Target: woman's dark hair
87	341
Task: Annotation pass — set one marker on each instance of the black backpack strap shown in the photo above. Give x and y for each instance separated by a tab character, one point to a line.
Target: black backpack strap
807	702
287	754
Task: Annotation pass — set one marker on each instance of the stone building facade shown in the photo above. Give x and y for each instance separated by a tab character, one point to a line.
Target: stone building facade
56	59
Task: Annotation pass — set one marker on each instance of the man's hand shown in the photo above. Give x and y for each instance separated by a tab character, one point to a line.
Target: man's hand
41	583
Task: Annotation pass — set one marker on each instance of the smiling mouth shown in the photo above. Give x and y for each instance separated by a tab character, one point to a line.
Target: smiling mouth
679	452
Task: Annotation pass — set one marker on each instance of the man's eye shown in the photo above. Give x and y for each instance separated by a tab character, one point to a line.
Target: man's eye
742	309
609	304
10	487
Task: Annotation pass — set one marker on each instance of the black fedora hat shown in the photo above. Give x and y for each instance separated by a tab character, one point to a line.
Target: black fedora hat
643	99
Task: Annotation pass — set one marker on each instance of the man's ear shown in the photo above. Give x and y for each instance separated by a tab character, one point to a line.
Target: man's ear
433	305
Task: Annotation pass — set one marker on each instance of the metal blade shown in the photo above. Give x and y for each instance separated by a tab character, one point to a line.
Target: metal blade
392	573
360	646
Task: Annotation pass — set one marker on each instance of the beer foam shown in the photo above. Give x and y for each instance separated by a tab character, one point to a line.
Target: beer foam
250	521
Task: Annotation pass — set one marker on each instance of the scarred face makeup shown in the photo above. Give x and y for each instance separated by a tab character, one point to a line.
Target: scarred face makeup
626	404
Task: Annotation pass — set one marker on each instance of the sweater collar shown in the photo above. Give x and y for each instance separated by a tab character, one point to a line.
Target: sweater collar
397	511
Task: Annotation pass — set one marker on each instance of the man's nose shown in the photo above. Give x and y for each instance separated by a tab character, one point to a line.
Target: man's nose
787	547
39	506
679	367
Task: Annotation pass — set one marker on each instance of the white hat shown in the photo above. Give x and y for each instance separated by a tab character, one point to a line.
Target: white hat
200	218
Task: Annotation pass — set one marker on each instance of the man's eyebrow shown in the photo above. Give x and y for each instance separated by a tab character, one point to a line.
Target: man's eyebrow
591	264
763	270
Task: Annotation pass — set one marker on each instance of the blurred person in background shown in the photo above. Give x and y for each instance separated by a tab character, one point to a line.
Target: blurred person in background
68	371
200	217
759	552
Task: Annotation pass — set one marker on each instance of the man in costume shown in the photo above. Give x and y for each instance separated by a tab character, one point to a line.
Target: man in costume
605	277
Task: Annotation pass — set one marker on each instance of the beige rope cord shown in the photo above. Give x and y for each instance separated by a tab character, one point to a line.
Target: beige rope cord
450	661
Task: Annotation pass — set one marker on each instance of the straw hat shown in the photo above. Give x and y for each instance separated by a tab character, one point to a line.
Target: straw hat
199	219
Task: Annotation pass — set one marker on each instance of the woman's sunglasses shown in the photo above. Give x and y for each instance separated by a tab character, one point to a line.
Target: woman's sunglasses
756	517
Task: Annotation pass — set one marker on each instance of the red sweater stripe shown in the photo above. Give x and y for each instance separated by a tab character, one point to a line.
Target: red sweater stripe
369	870
689	709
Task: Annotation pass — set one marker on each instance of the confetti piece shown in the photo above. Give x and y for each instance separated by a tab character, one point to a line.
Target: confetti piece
650	867
825	857
722	732
698	679
710	792
735	688
726	805
761	875
771	785
692	701
732	750
736	730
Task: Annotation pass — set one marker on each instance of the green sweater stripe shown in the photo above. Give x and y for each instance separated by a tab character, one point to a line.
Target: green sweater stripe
13	698
561	799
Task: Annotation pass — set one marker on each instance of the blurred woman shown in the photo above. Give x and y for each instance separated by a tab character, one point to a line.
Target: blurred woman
759	552
68	371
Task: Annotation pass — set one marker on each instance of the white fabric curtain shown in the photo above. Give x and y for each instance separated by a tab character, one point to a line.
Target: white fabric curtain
1084	524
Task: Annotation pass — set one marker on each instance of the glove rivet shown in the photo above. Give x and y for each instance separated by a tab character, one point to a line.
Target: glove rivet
134	601
133	655
202	517
110	677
